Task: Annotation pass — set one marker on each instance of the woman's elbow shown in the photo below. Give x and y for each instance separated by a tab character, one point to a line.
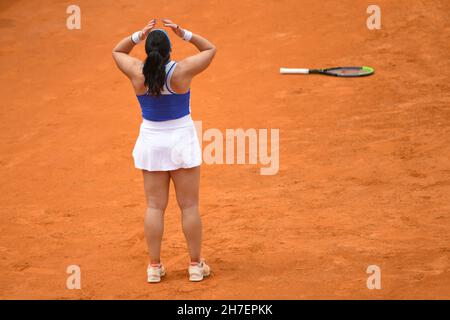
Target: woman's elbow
114	54
213	51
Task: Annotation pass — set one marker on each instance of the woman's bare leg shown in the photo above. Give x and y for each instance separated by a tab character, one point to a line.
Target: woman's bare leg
187	183
156	186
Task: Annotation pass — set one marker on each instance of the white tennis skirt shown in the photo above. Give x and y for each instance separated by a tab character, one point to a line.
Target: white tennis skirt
167	145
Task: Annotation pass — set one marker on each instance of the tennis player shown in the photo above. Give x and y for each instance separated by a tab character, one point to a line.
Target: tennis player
167	146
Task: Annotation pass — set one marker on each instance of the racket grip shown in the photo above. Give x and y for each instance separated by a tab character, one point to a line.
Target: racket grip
293	71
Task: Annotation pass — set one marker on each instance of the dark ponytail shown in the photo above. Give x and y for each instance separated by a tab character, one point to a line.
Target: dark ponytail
158	55
154	73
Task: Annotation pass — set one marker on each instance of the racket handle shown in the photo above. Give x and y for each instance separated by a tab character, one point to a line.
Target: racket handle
293	71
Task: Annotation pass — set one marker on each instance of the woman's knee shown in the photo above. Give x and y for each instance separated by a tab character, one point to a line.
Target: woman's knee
157	203
187	201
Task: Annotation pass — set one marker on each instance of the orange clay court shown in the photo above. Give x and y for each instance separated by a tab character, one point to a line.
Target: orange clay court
364	176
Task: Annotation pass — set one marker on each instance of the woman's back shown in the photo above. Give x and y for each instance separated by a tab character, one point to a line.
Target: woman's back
169	105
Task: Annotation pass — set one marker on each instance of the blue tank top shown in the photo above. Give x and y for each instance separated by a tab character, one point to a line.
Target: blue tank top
169	105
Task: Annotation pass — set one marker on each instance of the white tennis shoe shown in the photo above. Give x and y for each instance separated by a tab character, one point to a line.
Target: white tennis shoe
154	273
199	271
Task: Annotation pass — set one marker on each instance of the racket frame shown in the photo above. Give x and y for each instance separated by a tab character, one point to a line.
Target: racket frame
327	72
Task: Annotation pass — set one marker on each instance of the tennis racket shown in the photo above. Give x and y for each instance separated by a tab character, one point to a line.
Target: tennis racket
336	72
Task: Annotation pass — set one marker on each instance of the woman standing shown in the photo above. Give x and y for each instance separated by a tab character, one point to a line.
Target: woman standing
167	147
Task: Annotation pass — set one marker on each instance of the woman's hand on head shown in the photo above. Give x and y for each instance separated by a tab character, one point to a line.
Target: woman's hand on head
175	28
147	29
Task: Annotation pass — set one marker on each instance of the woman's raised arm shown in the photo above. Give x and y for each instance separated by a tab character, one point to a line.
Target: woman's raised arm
121	51
195	64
